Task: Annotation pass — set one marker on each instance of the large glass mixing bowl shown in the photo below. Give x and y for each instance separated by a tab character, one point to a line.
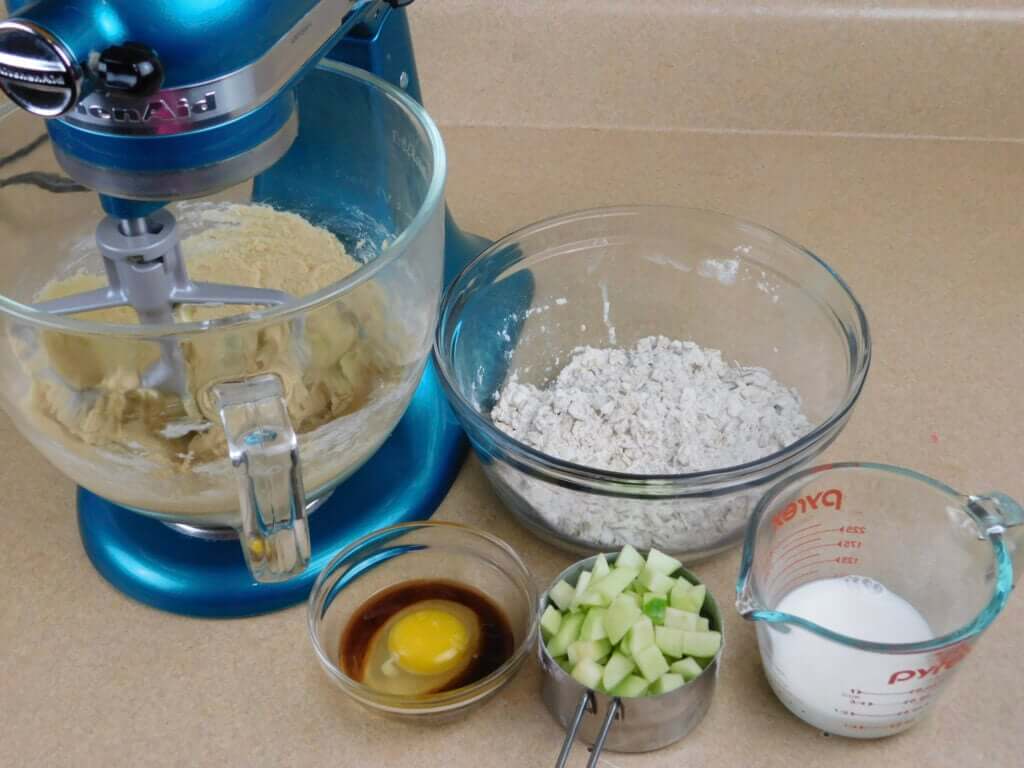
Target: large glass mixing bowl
609	278
283	403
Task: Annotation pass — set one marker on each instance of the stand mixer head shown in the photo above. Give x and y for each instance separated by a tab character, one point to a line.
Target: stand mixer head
153	103
140	109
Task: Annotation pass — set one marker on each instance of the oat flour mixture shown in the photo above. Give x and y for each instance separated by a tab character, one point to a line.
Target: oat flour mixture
660	407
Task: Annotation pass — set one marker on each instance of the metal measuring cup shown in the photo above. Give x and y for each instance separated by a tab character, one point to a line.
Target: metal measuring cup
619	724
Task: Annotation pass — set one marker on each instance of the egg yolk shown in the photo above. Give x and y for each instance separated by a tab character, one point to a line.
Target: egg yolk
428	642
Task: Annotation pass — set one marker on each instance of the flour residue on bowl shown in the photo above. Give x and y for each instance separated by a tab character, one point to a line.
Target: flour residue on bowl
606	313
724	271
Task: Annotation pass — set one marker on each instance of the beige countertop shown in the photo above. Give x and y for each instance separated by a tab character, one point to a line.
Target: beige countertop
883	135
927	232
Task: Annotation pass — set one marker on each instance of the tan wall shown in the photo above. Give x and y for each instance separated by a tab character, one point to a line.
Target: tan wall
922	67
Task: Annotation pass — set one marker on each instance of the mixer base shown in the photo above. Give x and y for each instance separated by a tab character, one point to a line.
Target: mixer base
156	565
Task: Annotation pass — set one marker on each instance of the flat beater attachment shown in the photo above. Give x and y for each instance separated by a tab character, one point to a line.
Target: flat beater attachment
145	271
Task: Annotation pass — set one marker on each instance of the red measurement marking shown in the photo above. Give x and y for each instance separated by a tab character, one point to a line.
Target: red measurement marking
797	546
782	562
803	528
806	536
788	568
846	713
853	530
873	727
807	553
801	576
931	687
855	702
849	544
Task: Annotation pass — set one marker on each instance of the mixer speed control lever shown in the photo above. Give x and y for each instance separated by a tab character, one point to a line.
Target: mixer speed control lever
130	69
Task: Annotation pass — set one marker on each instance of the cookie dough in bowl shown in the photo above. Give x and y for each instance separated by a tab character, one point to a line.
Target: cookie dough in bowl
348	369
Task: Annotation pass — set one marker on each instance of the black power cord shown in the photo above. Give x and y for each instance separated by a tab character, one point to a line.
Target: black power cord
51	182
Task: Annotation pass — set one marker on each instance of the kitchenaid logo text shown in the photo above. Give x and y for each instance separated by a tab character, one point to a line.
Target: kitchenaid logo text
945	661
831	498
158	110
34	78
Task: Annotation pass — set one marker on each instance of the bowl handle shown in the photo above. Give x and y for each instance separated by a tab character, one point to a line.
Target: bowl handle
265	454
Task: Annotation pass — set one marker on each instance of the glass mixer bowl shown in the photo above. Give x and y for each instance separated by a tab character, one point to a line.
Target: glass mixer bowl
283	403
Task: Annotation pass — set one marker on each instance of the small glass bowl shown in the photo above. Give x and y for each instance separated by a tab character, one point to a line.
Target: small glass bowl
423	550
610	277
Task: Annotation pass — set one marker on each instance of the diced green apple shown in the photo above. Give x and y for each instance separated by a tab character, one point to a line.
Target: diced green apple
662	563
655	607
567	634
691	599
561	595
634	597
615	582
629	628
550	621
669	641
593	625
681	619
656	582
677	598
616	670
619	617
633	687
588	673
688	668
701	644
641	635
629	558
588	649
581	587
592	598
651	663
667	682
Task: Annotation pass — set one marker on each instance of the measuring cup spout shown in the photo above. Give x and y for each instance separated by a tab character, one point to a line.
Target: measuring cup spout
1001	519
748	605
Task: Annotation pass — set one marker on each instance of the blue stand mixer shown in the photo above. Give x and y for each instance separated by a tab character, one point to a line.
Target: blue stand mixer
153	103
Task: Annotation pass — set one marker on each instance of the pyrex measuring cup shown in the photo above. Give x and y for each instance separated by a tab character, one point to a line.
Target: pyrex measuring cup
915	570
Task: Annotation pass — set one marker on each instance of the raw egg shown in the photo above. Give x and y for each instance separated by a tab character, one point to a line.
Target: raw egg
422	648
429	641
423	637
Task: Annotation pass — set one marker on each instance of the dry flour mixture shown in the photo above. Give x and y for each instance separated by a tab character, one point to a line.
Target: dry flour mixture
660	407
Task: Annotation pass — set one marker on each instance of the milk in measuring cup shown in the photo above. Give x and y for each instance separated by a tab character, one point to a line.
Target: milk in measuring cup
840	689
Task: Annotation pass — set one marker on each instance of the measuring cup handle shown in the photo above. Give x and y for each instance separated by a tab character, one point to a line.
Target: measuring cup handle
574	727
264	452
998	514
586	700
606	725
